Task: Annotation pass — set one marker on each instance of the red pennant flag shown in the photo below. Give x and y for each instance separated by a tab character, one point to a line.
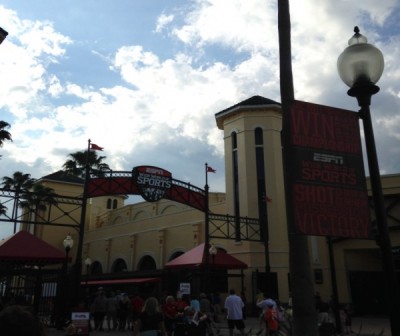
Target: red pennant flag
96	147
211	170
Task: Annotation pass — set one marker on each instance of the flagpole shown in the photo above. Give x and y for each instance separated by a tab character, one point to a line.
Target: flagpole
206	284
206	172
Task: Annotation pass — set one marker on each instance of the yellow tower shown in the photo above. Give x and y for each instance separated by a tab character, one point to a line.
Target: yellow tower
254	182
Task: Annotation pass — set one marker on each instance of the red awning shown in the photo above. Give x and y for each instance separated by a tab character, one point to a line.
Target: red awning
25	247
196	258
120	281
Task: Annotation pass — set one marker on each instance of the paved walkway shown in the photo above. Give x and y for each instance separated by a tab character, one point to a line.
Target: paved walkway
366	326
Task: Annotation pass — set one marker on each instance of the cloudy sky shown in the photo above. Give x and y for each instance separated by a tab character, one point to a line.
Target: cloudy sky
144	78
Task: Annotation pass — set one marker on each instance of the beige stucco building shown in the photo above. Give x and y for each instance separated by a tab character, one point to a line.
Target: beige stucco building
137	240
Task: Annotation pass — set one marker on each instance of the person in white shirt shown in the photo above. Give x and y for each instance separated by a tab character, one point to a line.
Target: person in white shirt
234	306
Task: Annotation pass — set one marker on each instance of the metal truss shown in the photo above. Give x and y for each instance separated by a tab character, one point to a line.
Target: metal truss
58	213
236	228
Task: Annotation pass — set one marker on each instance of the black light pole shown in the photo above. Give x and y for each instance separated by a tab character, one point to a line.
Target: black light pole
88	262
206	283
212	251
68	243
3	35
360	66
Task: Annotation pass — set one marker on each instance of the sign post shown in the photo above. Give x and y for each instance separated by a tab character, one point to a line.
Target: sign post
79	323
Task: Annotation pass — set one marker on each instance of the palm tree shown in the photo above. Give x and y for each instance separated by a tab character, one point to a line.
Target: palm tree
38	199
3	209
20	184
4	135
77	164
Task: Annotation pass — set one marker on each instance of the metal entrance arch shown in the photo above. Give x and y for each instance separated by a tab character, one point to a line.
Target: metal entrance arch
123	183
221	226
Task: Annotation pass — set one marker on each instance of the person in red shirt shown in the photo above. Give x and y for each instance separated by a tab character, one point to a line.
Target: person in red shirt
170	314
271	319
181	303
137	306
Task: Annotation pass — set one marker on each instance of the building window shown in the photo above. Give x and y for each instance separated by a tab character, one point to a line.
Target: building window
236	196
115	204
109	203
119	265
147	263
260	175
96	268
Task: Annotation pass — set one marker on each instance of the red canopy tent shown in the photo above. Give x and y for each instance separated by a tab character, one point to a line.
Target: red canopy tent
196	258
23	247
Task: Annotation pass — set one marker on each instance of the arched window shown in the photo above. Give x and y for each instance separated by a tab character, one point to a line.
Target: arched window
96	268
109	203
235	174
119	265
147	263
115	204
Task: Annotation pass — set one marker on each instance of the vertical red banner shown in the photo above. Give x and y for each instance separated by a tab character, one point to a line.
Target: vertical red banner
324	172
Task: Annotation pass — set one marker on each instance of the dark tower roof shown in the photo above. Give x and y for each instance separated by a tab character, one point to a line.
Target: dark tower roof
254	102
62	176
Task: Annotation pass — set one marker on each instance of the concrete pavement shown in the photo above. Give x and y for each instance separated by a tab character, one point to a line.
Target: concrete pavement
363	326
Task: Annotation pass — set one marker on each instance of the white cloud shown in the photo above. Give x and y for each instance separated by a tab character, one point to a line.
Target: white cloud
161	100
244	26
162	21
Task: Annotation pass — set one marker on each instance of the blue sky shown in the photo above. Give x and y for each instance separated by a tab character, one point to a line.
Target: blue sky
144	78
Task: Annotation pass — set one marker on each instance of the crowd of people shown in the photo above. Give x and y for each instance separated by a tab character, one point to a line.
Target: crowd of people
177	315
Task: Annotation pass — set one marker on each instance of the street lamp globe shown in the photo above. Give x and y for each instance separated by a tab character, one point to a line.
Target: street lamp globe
68	242
213	250
88	262
360	64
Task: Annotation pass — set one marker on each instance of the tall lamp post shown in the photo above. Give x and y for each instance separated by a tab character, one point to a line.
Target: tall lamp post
88	262
68	243
62	297
360	66
212	251
3	35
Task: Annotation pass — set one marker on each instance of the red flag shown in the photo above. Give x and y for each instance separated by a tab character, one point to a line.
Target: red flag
211	170
96	147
